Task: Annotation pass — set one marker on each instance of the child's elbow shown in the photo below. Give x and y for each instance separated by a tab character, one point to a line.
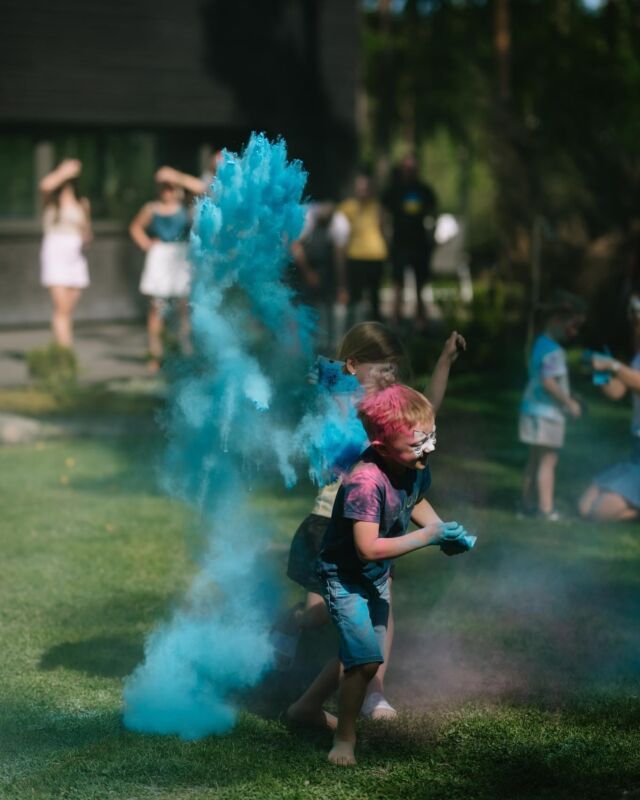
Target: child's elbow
367	554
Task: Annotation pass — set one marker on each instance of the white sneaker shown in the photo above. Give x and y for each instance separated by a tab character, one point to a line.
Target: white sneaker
376	707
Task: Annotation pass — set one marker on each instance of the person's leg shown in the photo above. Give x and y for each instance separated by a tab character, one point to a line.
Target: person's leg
374	279
64	299
355	287
548	460
421	261
612	507
314	614
530	480
588	500
184	323
397	280
353	687
375	705
308	710
155	325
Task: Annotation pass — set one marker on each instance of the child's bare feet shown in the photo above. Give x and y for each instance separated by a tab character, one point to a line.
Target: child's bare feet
298	714
341	754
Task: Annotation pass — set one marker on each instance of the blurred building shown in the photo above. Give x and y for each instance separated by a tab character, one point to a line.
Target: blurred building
127	87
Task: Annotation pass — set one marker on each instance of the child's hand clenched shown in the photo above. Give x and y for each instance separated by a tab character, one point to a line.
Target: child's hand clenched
454	539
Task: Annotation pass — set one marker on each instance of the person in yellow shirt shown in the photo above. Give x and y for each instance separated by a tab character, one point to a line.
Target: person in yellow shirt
366	250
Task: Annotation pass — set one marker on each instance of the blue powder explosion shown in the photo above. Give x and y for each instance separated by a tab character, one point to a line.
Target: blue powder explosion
235	410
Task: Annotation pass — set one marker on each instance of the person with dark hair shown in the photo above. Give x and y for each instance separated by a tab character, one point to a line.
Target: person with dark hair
412	205
614	495
161	229
546	401
67	230
366	250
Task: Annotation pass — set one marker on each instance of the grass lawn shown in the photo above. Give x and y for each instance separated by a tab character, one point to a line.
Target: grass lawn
515	667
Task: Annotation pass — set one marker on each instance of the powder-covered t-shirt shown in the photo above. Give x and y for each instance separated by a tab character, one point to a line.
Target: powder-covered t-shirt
547	360
369	494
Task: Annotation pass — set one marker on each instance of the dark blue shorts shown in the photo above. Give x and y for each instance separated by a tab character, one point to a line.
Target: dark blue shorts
360	612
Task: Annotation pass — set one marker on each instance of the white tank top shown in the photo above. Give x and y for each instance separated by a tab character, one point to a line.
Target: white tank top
66	219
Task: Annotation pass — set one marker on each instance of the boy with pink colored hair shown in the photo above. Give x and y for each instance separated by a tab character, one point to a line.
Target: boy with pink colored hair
382	493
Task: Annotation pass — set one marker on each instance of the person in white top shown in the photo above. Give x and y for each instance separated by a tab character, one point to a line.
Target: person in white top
67	231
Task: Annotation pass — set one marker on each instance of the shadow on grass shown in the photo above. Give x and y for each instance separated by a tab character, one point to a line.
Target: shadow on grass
104	656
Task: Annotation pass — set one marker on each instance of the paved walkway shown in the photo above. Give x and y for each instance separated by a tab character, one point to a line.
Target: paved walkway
106	351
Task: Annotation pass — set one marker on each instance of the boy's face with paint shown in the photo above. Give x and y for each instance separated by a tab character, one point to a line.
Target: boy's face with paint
411	448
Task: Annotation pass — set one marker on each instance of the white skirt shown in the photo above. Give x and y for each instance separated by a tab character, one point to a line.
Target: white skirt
167	272
62	262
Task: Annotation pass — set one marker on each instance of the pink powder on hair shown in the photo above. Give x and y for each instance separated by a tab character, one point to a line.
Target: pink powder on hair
393	411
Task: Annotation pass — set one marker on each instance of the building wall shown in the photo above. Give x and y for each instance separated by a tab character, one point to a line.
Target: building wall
188	74
193	63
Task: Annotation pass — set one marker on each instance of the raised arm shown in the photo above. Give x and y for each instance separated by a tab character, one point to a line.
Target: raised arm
624	377
65	171
137	229
440	378
186	181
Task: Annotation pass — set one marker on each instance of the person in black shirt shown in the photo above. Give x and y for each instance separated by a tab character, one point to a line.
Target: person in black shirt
412	207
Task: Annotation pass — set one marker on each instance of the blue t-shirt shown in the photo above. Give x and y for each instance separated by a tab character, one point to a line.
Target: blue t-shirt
547	360
369	494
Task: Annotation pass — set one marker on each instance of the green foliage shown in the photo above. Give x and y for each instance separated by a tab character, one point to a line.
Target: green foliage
55	368
562	143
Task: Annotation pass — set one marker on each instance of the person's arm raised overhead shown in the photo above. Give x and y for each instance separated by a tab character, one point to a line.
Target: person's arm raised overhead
67	170
455	344
183	179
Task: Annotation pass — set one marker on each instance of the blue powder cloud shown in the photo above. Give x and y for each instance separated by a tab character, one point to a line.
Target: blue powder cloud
242	403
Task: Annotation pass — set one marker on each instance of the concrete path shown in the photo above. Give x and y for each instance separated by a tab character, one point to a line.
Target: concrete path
106	351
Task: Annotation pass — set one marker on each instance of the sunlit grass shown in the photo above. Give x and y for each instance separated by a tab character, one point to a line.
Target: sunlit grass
515	667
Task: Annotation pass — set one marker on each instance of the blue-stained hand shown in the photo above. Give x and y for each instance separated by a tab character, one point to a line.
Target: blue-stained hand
455	539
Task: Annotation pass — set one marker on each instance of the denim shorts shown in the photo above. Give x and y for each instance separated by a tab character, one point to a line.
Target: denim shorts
360	611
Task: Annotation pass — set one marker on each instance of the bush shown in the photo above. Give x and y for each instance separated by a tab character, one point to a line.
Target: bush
54	367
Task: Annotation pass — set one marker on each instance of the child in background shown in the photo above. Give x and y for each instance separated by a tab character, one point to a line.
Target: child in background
368	529
547	399
367	348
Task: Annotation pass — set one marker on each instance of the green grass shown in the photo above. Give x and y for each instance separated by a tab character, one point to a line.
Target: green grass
516	667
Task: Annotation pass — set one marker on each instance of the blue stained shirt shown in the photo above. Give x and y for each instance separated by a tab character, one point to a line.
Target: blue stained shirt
547	360
369	494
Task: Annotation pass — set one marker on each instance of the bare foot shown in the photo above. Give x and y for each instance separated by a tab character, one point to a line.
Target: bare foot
341	754
311	717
